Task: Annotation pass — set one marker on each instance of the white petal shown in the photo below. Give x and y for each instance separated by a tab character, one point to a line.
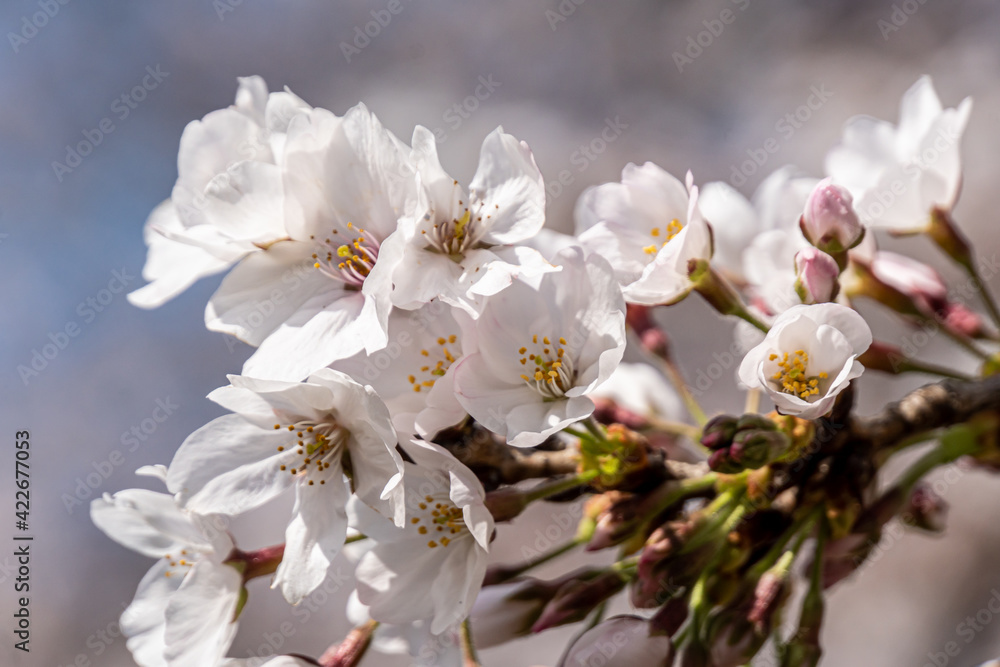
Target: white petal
199	616
313	538
144	622
510	187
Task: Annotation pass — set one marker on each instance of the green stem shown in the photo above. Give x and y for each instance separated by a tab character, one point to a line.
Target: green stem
676	428
914	366
469	657
747	316
543	491
984	293
962	342
800	529
513	572
673	373
956	443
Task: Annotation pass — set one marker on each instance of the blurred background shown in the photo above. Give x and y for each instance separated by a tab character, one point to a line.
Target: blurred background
559	74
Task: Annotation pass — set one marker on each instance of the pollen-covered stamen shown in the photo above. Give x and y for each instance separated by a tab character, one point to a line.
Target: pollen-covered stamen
437	360
178	565
459	233
793	375
662	236
548	369
440	520
316	447
348	258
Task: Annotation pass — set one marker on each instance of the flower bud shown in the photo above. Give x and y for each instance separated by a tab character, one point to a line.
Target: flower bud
507	611
620	641
926	509
829	221
576	598
769	595
816	276
719	432
755	449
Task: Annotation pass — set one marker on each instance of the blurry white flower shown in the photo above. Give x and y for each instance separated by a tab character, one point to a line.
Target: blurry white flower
648	227
829	221
535	353
414	373
322	293
643	390
816	276
808	357
461	248
769	264
899	174
227	202
306	435
736	223
433	568
412	639
184	611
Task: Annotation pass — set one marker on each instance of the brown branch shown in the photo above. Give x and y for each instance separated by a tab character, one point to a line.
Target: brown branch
930	407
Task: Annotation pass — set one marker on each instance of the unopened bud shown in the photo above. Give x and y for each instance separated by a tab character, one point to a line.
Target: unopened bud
577	598
829	221
754	449
816	276
719	432
620	641
769	595
507	611
927	510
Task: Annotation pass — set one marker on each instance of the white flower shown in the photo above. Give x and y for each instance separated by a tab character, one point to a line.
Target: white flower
808	357
536	353
183	614
305	435
227	201
277	661
736	222
461	248
899	174
433	568
769	264
322	294
648	227
414	373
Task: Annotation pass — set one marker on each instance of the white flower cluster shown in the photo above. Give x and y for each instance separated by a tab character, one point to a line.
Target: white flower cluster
387	301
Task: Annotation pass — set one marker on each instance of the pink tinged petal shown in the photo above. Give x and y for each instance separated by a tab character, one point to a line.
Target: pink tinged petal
200	623
144	622
314	537
230	466
267	289
510	187
313	338
171	265
147	522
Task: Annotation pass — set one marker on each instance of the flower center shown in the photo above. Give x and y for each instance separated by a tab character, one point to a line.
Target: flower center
318	446
453	237
441	520
178	566
442	358
667	233
550	368
793	375
347	257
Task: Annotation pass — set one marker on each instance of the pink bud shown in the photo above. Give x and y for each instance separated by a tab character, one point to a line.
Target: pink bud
915	279
816	276
829	221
